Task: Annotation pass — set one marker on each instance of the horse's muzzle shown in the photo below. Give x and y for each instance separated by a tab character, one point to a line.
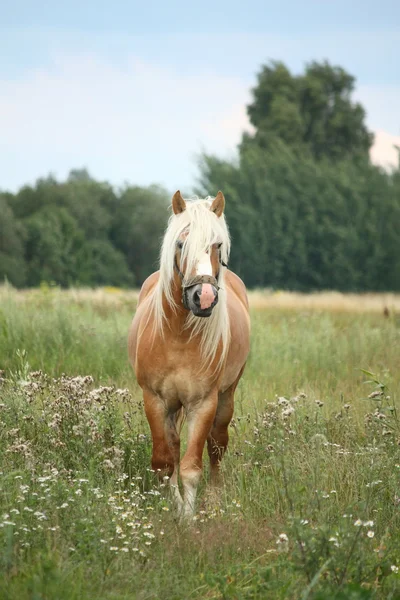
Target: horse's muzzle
201	299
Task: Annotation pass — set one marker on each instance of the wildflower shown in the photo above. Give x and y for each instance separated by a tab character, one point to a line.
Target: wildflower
282	401
358	523
368	523
379	415
394	568
41	516
319	403
114	548
370	533
108	464
335	541
283	542
288	411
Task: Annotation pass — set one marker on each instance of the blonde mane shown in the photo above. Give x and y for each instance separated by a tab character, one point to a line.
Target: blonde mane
202	228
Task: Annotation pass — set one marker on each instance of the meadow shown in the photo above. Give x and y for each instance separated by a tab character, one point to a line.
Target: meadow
310	503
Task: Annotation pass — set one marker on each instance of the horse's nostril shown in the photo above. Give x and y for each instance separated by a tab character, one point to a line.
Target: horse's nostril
196	298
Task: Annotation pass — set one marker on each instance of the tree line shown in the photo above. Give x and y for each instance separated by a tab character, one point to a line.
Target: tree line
306	208
80	232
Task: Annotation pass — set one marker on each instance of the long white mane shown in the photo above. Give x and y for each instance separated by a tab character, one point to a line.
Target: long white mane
202	228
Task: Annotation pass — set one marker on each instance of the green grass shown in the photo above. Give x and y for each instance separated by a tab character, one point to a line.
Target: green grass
310	457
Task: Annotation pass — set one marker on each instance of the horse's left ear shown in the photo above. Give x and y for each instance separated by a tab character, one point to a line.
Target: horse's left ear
218	204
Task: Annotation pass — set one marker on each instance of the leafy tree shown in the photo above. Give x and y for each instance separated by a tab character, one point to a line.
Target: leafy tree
139	221
311	112
306	208
12	263
99	263
300	224
53	241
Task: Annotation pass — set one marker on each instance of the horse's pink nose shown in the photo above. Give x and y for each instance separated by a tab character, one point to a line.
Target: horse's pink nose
207	296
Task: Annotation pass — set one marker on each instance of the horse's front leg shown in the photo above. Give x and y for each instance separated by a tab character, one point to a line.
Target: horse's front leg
166	443
200	416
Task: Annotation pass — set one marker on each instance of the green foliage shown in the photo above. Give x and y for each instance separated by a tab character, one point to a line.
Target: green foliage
299	223
52	243
80	232
12	263
138	224
312	112
101	263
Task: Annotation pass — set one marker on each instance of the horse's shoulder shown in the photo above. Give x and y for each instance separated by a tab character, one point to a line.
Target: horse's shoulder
148	286
237	285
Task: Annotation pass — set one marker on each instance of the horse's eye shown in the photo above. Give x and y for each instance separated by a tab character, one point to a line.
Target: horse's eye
180	245
219	245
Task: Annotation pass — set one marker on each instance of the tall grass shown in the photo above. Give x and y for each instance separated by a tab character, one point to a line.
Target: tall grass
310	506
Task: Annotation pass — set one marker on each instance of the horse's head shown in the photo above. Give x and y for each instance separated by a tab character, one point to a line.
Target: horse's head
198	257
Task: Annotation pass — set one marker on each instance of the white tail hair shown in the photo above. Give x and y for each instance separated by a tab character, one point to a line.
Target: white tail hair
202	228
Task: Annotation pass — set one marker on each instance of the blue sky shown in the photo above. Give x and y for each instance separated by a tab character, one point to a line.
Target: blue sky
135	91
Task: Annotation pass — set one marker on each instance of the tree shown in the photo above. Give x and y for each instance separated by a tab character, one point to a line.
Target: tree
99	263
301	224
139	221
12	263
311	112
53	241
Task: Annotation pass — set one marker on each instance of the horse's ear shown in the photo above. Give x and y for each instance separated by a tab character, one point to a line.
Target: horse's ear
178	203
218	204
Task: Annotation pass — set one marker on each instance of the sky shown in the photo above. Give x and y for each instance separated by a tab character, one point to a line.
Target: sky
136	91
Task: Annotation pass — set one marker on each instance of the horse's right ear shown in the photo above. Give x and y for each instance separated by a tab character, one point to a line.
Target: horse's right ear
178	203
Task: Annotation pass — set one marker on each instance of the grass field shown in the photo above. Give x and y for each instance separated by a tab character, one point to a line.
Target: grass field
310	506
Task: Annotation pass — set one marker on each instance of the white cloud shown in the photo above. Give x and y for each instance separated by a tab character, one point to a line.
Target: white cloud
384	151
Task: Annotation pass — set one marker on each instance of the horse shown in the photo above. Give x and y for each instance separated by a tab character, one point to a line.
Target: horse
188	344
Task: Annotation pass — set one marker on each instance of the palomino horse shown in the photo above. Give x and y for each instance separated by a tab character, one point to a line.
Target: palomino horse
189	342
